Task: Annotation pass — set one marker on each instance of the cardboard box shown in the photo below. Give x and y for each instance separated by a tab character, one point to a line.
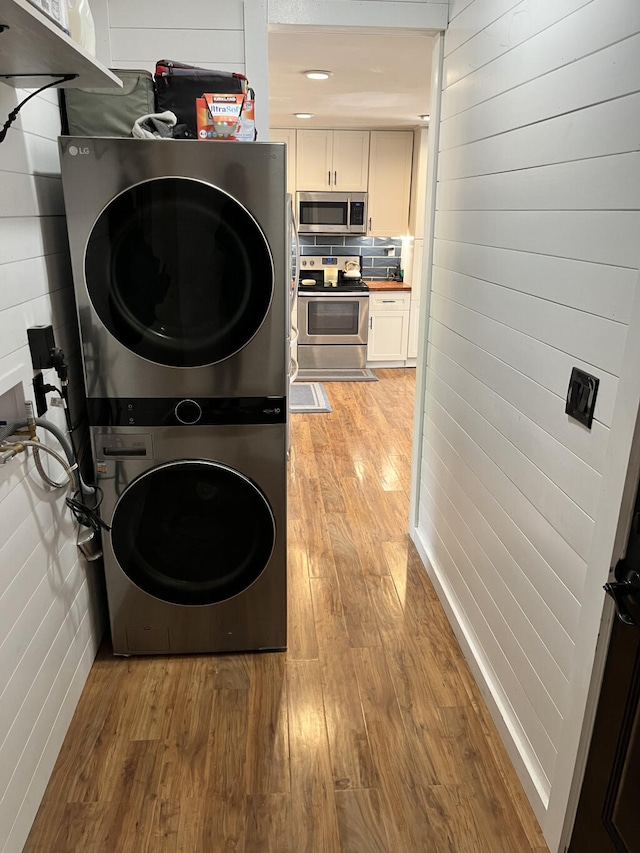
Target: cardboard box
247	127
218	116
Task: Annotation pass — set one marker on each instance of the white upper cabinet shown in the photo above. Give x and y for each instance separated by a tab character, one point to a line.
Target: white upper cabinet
288	136
332	160
350	160
390	162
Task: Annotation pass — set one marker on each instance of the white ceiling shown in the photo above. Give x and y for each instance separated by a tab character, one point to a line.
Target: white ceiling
380	80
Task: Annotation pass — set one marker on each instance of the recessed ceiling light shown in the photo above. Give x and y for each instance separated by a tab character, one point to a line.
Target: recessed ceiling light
425	118
303	115
318	75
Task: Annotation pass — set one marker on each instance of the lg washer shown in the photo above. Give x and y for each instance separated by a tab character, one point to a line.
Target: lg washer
196	557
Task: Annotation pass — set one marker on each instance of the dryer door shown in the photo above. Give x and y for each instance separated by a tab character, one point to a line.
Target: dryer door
179	272
193	532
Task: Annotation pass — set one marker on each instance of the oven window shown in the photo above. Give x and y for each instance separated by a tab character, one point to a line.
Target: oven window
333	318
323	213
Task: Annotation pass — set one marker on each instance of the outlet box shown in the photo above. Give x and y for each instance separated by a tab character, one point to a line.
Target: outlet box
41	342
390	251
581	396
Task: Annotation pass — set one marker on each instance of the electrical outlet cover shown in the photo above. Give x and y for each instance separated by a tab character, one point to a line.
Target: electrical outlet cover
581	396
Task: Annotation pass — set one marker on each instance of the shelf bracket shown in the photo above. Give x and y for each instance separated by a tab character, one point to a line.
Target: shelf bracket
62	78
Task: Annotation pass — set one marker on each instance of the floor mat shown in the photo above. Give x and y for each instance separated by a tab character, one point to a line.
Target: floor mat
348	374
307	397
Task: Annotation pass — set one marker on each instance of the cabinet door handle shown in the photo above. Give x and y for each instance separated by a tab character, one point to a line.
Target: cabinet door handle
392	301
329	178
335	179
369	223
371	322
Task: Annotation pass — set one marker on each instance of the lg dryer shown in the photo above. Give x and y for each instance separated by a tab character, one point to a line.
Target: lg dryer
180	263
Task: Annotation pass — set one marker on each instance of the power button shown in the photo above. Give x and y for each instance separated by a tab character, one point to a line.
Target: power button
188	412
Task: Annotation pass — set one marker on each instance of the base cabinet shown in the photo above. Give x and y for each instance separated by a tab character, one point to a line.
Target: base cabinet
388	326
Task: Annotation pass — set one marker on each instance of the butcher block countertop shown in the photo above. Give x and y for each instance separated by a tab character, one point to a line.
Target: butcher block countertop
381	284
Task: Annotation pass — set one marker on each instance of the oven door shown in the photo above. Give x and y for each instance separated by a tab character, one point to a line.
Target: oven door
340	319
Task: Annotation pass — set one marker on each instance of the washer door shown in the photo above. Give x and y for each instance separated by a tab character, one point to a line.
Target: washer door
179	272
193	532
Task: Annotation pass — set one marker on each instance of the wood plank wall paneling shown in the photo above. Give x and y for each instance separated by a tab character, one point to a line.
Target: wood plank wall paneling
592	27
210	35
49	603
602	76
531	18
536	262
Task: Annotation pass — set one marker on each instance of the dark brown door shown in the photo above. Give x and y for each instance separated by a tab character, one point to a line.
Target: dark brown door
608	817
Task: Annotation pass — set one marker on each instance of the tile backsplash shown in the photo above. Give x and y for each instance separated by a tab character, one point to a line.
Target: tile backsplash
376	264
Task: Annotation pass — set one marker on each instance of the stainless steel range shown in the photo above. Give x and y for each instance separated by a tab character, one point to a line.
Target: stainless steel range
333	313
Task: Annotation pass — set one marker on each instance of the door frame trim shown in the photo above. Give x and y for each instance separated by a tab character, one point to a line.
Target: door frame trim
616	502
433	147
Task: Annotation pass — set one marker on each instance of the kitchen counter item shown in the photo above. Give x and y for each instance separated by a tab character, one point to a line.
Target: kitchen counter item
352	270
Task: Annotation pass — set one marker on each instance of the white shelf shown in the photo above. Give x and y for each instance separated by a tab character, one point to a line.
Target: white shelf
33	48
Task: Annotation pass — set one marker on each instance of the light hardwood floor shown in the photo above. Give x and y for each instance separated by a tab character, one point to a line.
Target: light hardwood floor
368	735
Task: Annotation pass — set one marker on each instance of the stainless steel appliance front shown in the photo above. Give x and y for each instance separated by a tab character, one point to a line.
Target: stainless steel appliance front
333	330
195	560
331	213
180	263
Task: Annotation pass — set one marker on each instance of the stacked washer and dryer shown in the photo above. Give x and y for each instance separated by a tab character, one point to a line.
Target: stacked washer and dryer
181	266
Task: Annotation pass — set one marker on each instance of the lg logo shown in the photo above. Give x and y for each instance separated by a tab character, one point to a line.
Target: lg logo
75	151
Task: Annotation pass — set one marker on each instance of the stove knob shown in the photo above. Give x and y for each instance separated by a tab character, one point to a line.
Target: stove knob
312	263
188	412
304	263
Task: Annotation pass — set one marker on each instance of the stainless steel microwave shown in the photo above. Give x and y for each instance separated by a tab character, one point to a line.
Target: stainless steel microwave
331	213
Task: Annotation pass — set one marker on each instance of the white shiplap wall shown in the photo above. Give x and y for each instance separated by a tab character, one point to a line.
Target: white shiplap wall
535	270
229	36
50	612
50	605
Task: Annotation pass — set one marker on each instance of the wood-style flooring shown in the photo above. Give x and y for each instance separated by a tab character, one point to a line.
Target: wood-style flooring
368	735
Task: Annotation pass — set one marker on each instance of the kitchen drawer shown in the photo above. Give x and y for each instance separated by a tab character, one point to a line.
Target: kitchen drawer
389	300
